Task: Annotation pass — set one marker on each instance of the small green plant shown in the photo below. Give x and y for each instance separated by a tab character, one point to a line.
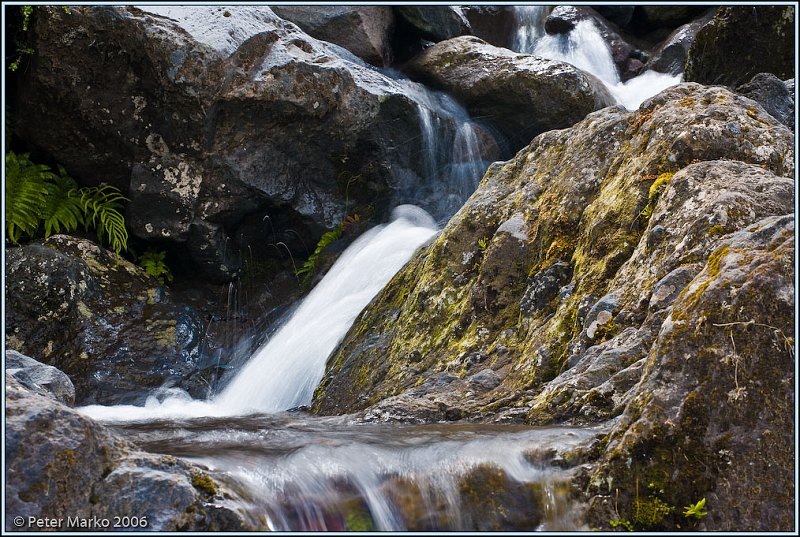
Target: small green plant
310	266
36	196
483	243
658	186
153	264
624	523
696	510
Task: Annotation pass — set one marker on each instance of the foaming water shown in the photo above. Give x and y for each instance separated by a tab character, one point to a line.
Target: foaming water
585	48
285	371
290	471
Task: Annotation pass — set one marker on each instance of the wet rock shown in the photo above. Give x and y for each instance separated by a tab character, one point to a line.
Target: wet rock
114	330
435	22
40	378
62	464
195	114
493	24
521	95
740	42
363	30
773	95
709	416
670	55
576	205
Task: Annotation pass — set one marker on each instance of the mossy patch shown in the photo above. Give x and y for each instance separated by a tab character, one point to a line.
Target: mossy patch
203	482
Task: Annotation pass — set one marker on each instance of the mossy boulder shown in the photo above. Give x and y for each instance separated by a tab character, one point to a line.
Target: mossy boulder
520	95
711	417
63	464
100	319
572	205
740	42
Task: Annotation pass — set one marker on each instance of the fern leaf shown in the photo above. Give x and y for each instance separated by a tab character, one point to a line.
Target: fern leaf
101	206
62	209
26	189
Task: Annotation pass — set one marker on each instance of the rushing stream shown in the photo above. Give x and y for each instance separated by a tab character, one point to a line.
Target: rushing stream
292	471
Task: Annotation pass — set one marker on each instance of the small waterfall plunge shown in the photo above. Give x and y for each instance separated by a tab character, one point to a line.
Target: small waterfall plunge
585	48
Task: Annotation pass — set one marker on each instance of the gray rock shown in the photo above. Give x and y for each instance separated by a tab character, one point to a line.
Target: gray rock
521	95
40	378
773	95
363	30
493	24
435	22
544	286
670	55
60	463
484	380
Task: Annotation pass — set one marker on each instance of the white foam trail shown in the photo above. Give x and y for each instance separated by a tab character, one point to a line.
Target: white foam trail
286	370
585	48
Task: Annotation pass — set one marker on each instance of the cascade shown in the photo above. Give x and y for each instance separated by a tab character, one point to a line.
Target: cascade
585	48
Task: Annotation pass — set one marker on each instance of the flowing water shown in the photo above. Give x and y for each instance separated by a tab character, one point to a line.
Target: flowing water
585	48
292	471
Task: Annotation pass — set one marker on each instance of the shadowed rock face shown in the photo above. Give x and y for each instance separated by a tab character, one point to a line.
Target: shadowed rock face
562	278
520	95
62	464
100	319
740	42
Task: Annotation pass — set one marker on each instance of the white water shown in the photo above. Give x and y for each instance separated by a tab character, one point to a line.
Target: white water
585	48
285	371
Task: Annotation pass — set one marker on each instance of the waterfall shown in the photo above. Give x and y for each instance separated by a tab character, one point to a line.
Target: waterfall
585	48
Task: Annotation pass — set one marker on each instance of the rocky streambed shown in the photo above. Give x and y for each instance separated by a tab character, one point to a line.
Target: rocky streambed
594	330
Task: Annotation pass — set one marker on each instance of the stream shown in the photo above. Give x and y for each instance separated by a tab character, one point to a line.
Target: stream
294	471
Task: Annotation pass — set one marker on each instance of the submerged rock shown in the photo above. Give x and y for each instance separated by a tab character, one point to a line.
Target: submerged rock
100	319
518	94
62	464
740	42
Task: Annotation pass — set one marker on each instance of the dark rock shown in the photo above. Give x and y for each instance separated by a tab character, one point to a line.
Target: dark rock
544	286
60	464
493	24
484	380
40	378
562	19
670	55
363	30
100	319
668	16
435	22
773	95
521	95
619	15
570	202
740	42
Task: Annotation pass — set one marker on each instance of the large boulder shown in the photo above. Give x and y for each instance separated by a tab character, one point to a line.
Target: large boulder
493	24
740	42
102	320
712	415
437	23
212	119
543	267
363	30
773	94
520	95
60	464
670	55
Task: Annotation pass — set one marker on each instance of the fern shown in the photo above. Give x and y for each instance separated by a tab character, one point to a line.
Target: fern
153	264
310	266
26	188
102	205
62	209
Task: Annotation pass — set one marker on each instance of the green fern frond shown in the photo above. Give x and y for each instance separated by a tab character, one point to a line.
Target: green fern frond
102	206
153	264
310	266
62	210
26	191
